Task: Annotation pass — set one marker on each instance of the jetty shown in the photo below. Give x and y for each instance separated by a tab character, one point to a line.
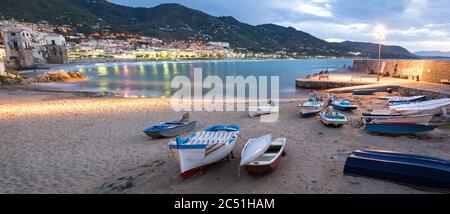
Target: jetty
360	78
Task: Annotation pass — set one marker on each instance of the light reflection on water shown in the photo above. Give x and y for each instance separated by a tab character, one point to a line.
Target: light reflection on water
153	79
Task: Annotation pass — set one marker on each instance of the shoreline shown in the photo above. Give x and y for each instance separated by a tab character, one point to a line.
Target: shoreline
103	142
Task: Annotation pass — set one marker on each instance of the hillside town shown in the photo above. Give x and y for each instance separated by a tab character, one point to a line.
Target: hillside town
25	45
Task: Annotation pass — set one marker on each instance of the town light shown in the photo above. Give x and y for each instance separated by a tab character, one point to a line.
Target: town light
380	33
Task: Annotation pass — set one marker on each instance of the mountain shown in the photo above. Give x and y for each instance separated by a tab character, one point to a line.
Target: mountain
433	53
177	22
373	49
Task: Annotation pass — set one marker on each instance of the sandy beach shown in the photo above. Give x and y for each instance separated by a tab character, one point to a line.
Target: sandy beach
66	143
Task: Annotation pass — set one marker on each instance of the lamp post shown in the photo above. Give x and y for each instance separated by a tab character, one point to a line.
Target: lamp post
380	33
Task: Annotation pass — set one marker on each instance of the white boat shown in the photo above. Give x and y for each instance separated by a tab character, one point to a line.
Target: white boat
337	119
402	99
255	148
262	155
204	148
405	119
433	107
255	111
310	108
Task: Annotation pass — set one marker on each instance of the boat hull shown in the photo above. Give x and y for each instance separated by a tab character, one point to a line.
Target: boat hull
311	108
398	128
333	122
263	169
407	169
189	165
344	108
260	111
173	132
417	119
364	92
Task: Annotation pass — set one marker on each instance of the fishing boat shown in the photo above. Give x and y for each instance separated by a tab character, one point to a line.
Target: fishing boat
364	92
262	155
412	119
344	105
433	107
170	129
204	148
336	119
394	99
397	128
255	111
415	170
310	108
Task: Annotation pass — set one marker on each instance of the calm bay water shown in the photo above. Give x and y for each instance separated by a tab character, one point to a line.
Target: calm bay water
153	79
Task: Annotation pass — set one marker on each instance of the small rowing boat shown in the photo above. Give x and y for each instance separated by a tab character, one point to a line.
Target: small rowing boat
415	170
344	105
262	155
433	107
397	128
204	148
255	111
170	129
364	92
404	99
418	119
336	119
310	108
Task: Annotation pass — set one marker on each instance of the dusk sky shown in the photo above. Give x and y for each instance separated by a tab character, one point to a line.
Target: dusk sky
415	24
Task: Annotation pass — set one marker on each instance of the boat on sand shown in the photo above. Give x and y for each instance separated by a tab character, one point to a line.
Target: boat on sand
398	128
344	105
392	118
310	108
335	119
364	92
433	107
255	111
414	170
262	155
170	129
204	148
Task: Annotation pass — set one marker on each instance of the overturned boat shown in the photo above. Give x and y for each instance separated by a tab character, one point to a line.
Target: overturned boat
262	155
204	148
416	170
170	129
310	108
255	111
398	128
364	92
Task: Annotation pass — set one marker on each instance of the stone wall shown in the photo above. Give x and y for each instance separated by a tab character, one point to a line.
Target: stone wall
424	70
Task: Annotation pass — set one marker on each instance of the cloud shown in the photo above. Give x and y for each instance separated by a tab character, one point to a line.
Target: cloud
415	24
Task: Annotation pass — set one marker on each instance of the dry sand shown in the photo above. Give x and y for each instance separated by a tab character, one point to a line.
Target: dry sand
64	143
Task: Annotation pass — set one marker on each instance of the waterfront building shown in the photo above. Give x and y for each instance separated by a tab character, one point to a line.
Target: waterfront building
57	52
2	55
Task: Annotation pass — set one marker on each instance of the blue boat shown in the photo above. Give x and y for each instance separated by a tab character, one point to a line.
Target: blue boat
170	129
415	170
364	92
344	105
398	128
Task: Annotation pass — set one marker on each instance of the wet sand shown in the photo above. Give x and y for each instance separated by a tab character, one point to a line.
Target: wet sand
65	143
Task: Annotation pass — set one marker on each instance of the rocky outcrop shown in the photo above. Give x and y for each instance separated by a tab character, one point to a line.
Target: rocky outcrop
59	76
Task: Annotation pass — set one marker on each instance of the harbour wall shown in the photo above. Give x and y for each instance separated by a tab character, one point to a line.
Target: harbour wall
423	70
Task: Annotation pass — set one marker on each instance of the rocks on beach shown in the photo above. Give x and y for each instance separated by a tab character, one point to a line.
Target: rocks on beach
59	76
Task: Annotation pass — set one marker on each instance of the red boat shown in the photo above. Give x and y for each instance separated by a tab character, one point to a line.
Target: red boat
262	155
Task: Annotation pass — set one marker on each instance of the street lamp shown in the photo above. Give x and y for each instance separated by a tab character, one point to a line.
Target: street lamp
380	33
